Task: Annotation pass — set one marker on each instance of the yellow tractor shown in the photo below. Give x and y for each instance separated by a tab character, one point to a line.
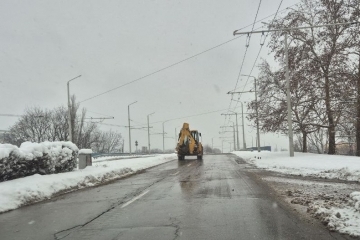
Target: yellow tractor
189	143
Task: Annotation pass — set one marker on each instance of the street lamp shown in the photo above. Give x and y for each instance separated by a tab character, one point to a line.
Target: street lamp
149	131
129	125
69	109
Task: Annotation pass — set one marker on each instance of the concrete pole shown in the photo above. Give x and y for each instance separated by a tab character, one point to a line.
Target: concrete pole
212	145
69	109
257	119
163	137
148	134
237	133
234	136
291	137
129	129
69	113
175	138
130	126
149	130
243	126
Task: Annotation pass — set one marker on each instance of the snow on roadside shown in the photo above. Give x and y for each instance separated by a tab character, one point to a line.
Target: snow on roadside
22	191
306	164
335	204
344	219
113	158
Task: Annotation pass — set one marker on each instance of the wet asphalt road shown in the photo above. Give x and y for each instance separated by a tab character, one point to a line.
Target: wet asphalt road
216	198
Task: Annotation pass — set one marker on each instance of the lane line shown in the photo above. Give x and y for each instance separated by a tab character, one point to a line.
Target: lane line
134	199
174	173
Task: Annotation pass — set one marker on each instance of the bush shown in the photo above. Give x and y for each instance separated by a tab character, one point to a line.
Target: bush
32	158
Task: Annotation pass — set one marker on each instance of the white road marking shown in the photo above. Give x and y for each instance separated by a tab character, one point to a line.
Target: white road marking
189	165
134	199
174	174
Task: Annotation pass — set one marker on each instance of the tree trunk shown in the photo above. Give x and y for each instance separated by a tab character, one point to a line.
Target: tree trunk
332	146
358	113
304	140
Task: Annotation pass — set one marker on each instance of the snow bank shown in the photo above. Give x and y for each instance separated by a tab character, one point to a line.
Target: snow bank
344	219
113	158
36	158
85	151
338	211
22	191
306	164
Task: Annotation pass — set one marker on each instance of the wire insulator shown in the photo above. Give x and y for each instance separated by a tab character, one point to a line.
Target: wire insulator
247	40
262	39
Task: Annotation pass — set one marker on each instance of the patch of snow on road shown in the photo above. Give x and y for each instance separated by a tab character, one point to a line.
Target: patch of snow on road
22	191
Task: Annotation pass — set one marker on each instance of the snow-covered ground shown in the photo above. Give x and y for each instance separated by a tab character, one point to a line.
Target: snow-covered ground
306	164
336	204
22	191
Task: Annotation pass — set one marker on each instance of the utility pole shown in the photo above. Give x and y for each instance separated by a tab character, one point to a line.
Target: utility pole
149	131
237	130
129	125
175	138
256	109
233	135
288	97
163	133
69	109
212	145
243	126
257	113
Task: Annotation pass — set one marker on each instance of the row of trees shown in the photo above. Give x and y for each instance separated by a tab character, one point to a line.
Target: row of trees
324	68
39	125
209	149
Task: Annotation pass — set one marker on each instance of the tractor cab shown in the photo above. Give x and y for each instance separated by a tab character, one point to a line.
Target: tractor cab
195	134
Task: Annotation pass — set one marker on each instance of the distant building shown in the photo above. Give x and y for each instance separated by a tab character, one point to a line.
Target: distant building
263	148
345	148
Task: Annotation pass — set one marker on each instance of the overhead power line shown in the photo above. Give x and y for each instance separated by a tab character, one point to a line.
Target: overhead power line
243	60
257	57
10	115
176	63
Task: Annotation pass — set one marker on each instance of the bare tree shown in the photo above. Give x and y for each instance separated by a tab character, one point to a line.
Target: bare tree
273	107
320	53
38	125
108	142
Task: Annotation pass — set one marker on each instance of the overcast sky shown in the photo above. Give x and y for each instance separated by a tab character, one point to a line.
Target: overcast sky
45	43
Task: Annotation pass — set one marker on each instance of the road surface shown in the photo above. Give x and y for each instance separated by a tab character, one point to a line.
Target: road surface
216	198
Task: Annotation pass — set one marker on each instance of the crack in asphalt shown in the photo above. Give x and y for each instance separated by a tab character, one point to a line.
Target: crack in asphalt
175	223
69	229
137	192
